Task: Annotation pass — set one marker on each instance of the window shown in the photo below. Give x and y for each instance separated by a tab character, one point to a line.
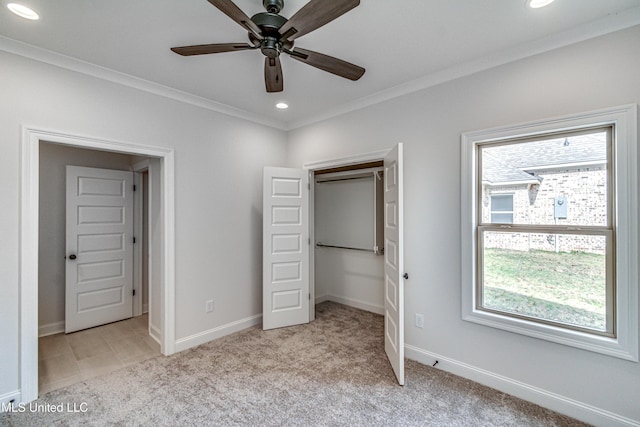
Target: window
552	265
502	208
551	244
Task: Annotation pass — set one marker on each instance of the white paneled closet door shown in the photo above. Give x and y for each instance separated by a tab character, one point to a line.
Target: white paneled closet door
285	265
394	262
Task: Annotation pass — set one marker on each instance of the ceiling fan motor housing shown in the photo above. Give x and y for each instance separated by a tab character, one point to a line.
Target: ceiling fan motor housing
269	24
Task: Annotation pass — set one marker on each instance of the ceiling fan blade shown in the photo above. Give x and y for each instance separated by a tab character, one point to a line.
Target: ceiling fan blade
328	63
273	74
314	15
232	11
204	49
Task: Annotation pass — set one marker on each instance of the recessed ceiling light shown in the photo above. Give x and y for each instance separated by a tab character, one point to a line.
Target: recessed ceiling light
23	11
282	105
536	4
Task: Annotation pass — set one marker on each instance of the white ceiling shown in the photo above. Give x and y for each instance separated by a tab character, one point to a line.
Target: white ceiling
404	45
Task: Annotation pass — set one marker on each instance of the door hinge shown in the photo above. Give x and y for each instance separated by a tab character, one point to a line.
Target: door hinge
309	297
134	292
134	187
134	240
309	241
308	186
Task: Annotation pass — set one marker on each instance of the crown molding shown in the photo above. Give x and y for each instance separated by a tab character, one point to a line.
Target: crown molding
69	63
593	29
606	25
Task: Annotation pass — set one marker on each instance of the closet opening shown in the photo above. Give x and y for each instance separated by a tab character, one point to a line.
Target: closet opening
333	231
348	235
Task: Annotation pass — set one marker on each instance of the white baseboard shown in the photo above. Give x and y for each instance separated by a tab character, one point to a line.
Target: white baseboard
50	329
155	333
323	298
8	397
218	332
564	405
351	302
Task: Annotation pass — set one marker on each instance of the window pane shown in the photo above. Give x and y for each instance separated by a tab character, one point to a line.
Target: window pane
502	203
552	181
554	277
502	218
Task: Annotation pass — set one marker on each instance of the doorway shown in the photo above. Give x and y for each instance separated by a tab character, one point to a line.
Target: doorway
289	255
101	241
162	248
392	230
89	182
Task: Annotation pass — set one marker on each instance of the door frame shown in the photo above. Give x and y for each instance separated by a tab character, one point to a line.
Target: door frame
138	232
28	252
311	167
141	197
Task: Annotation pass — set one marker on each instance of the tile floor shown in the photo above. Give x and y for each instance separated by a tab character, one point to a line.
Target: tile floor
65	359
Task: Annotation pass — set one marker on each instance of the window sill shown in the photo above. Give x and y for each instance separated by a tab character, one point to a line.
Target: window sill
595	343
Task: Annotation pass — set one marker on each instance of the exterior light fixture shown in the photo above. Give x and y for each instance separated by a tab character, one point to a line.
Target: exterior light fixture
23	11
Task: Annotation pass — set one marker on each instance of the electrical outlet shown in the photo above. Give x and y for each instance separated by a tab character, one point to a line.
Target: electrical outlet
208	307
419	320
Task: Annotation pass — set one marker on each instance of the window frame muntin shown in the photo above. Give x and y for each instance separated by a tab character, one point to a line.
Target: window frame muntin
627	242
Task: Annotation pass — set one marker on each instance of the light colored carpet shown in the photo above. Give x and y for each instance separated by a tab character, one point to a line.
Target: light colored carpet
332	371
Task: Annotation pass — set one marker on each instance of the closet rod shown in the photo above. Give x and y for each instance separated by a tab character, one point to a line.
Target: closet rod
322	245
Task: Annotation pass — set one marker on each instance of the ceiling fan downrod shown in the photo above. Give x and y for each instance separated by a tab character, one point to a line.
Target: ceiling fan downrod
273	6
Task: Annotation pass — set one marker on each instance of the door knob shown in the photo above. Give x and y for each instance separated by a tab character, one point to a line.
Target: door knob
72	256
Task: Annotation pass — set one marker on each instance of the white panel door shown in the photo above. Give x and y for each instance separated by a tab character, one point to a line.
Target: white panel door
394	262
285	264
99	247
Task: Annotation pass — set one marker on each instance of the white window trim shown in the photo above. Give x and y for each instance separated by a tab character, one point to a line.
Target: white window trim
625	138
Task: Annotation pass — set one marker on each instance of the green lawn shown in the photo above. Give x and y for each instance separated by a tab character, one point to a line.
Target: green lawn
564	287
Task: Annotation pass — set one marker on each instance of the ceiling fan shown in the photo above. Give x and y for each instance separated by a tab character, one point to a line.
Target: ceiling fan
274	34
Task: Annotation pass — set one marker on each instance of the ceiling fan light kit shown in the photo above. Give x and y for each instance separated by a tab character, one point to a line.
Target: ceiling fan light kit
274	34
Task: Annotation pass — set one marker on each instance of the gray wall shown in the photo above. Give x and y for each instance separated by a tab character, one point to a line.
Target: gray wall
595	74
51	250
218	188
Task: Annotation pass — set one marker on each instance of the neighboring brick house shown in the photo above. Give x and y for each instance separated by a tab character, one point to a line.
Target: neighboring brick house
558	181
